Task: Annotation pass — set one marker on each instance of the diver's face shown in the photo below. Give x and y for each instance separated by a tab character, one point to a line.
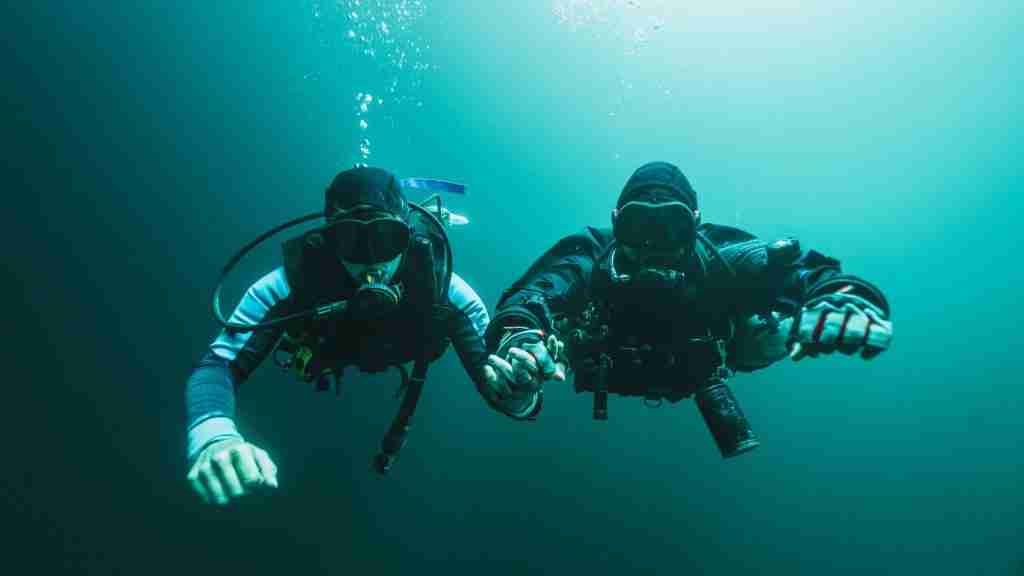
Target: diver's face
370	244
649	258
382	272
654	236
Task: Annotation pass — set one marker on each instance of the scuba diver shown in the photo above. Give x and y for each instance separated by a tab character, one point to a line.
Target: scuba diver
372	287
664	307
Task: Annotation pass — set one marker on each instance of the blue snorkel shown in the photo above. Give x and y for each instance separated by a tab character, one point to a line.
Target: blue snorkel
433	203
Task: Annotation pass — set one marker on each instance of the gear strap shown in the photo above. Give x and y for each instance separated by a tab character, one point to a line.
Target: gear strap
394	440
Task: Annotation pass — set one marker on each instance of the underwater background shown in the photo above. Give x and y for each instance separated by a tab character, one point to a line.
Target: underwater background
147	142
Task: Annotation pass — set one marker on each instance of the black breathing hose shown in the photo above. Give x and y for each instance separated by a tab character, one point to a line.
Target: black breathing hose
323	310
234	326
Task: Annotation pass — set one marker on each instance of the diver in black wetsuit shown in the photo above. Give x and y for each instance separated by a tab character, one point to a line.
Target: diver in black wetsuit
372	288
664	307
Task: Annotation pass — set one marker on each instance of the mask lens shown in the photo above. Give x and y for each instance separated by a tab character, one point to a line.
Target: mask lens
659	227
372	241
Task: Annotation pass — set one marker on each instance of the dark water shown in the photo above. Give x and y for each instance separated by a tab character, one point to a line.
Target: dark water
146	142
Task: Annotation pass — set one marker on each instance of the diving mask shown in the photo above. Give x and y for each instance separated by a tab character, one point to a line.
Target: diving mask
369	237
655	226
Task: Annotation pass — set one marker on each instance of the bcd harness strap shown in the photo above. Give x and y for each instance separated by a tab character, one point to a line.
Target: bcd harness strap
394	440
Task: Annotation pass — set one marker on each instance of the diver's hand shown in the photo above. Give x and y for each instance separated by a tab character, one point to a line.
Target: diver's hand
840	322
516	378
228	469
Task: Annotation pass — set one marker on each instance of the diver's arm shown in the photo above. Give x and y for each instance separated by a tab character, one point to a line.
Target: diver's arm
554	286
839	313
810	278
210	404
828	309
467	326
210	390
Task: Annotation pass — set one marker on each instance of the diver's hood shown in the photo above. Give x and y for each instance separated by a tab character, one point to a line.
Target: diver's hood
658	180
365	186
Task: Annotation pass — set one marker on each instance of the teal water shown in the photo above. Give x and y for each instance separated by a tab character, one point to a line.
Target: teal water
149	141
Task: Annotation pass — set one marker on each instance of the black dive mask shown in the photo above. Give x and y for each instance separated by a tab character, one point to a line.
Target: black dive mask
655	226
368	238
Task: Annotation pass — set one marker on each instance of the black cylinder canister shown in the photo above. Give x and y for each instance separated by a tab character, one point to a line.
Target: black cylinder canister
725	419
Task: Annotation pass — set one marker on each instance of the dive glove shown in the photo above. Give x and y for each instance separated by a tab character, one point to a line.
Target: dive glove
516	373
840	321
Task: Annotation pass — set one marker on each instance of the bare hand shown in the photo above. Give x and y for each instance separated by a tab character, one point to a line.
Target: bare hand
229	469
518	377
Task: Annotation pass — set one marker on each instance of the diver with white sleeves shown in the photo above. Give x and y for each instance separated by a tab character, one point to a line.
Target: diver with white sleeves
372	287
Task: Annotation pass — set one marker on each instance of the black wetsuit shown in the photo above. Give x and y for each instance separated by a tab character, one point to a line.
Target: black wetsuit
731	275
